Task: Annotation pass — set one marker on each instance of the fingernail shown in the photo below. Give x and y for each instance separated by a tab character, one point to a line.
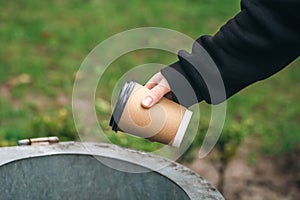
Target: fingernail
147	101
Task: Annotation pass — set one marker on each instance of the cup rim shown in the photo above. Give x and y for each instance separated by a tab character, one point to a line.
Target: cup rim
120	105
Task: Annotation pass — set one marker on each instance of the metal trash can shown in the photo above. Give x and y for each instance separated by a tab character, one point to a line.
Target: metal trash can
72	170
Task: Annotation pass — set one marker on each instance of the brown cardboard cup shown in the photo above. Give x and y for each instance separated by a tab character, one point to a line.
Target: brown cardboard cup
165	122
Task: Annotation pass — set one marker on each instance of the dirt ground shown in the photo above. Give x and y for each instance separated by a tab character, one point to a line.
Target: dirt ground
265	178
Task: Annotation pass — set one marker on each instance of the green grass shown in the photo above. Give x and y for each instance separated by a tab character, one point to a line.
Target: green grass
48	40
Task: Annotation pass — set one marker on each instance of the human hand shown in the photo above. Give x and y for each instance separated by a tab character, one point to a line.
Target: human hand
158	86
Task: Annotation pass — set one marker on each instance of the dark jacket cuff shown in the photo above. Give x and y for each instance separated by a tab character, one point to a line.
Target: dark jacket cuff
182	90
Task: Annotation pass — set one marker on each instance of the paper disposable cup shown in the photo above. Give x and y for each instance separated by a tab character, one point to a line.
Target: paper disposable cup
165	122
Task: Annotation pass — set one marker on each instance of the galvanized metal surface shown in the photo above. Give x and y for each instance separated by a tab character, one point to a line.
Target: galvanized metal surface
73	171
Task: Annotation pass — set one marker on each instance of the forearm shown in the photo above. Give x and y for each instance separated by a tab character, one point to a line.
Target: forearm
258	42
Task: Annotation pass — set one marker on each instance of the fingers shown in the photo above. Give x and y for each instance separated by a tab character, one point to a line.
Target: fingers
150	85
158	86
155	94
154	80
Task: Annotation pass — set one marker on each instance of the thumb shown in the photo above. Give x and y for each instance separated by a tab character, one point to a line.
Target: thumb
154	95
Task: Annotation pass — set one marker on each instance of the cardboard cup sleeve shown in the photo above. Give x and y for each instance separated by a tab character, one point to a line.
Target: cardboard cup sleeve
166	122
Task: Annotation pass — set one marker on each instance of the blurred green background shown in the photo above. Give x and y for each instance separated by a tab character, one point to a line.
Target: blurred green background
43	43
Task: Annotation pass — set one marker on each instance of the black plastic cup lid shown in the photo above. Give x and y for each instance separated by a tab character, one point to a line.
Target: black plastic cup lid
120	105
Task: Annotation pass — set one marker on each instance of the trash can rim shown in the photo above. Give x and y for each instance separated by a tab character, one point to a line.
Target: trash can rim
190	182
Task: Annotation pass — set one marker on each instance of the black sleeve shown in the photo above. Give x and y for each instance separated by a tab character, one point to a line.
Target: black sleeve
259	41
